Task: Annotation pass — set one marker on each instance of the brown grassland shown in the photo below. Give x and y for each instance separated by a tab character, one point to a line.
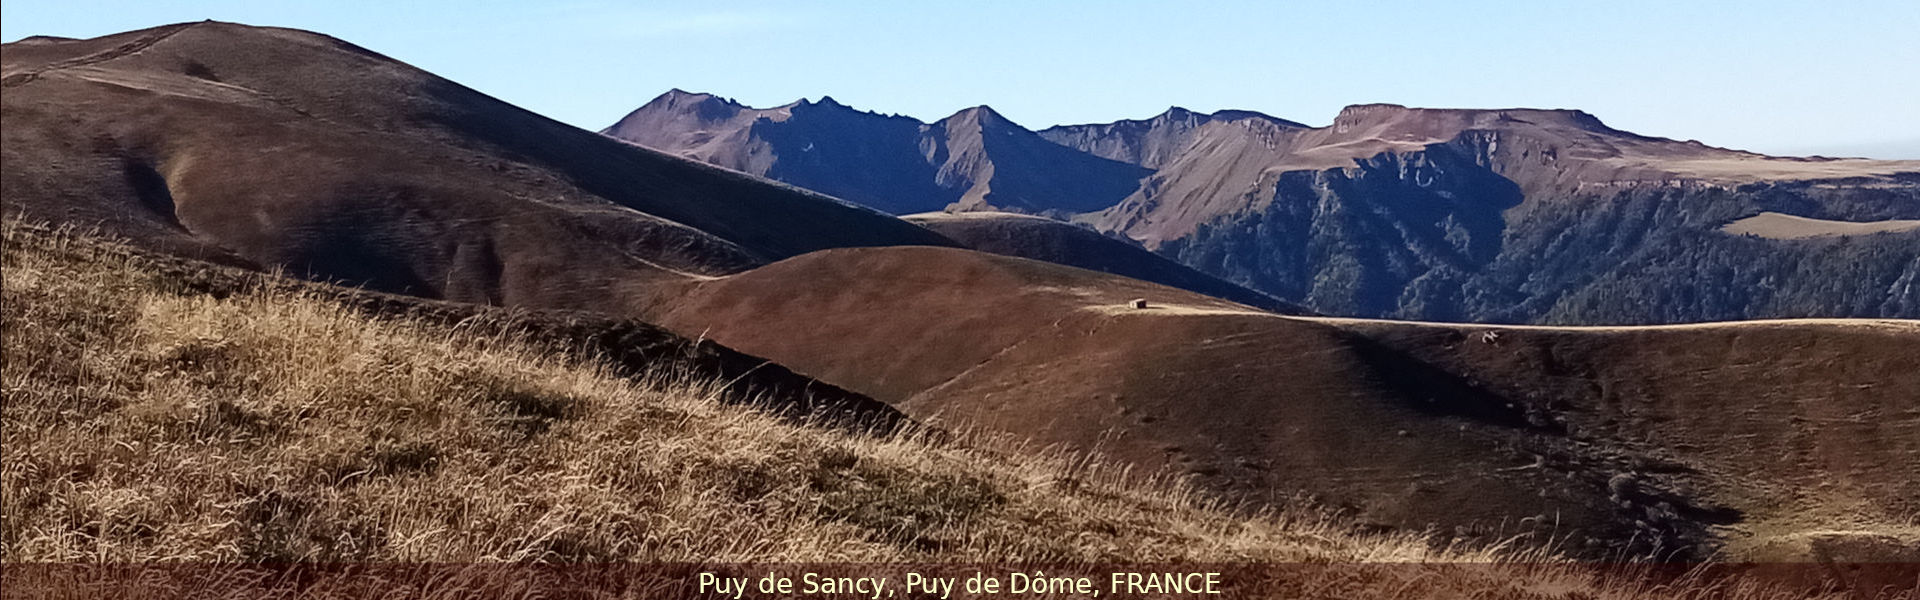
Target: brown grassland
145	422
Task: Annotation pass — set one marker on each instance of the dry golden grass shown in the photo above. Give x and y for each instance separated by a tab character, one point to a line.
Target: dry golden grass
144	423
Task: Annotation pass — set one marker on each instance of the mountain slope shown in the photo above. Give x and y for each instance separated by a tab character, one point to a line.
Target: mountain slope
271	439
281	148
974	159
1599	438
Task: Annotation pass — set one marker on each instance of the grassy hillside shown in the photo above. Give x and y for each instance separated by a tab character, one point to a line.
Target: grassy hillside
145	421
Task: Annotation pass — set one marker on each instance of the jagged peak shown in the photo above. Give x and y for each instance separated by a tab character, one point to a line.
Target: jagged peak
981	110
824	103
679	97
982	115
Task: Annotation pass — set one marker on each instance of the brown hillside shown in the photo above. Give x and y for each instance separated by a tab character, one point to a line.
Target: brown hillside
178	430
1599	439
277	147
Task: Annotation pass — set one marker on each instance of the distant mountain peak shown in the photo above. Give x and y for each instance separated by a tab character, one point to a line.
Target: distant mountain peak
1383	114
1176	112
980	110
677	97
982	116
677	94
825	102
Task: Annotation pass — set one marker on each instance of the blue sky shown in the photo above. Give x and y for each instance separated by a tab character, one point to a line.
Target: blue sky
1774	76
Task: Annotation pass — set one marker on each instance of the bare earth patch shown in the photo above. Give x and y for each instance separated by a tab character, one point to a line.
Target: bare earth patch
1780	226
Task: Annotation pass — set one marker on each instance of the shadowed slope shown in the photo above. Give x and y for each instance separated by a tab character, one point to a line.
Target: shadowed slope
276	147
1811	428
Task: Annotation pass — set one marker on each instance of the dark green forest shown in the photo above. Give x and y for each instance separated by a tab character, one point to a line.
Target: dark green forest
1434	236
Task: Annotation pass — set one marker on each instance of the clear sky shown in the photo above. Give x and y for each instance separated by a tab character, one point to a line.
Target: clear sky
1774	76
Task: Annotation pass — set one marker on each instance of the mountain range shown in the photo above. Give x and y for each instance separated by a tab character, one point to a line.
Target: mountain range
1505	215
1133	333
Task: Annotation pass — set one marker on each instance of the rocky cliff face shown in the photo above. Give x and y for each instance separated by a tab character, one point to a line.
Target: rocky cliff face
1508	215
